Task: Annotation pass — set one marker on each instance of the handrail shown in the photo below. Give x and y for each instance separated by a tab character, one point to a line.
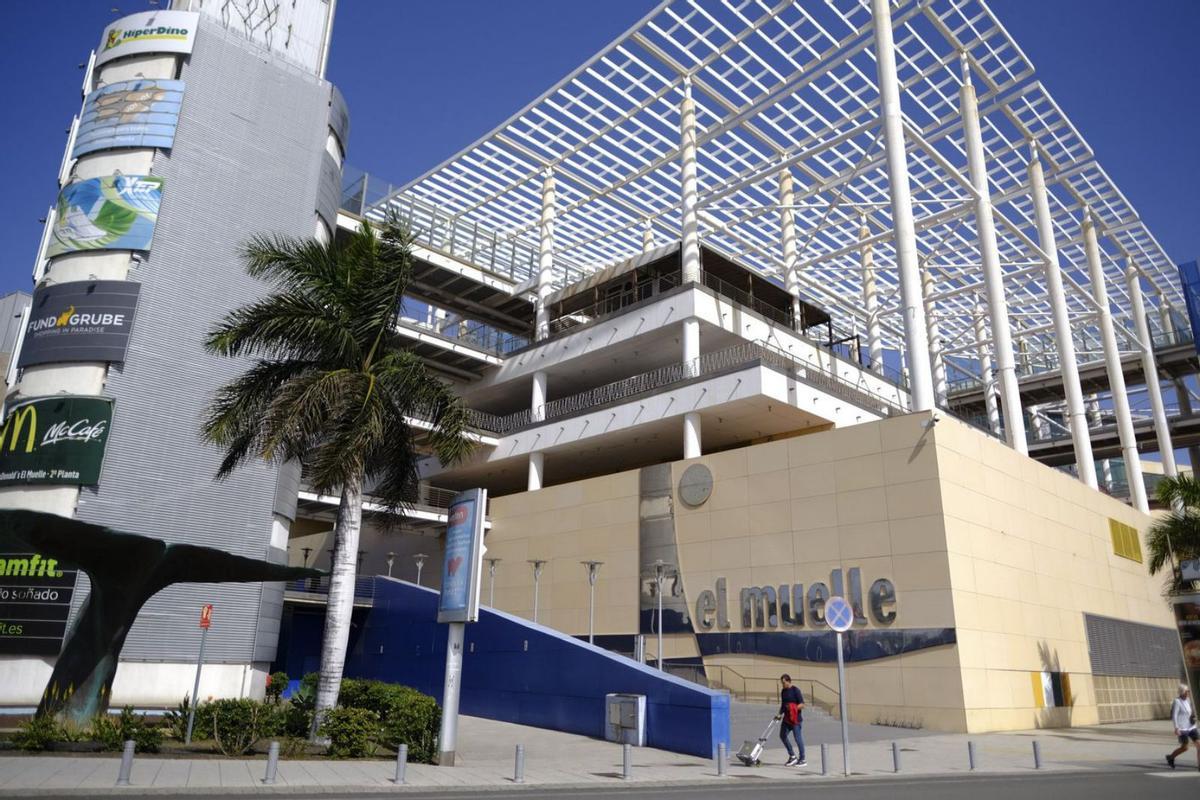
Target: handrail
767	689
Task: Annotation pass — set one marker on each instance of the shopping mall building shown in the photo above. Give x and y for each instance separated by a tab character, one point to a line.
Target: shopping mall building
757	307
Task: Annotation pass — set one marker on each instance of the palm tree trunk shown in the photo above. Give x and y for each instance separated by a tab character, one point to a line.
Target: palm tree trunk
341	599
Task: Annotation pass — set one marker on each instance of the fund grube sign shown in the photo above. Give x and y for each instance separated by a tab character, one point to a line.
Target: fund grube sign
114	212
79	321
54	440
149	32
137	113
35	601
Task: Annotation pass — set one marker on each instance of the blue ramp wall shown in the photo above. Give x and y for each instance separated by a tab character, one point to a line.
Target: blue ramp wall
516	671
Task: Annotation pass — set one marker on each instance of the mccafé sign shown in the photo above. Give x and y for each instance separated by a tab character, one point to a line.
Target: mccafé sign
789	606
54	440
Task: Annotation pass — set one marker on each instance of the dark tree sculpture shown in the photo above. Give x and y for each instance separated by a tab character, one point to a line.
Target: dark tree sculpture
126	570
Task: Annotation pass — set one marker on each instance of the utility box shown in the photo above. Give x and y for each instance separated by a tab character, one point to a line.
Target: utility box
625	719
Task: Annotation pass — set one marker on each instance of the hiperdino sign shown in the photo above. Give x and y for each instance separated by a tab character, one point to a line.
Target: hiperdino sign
790	605
149	32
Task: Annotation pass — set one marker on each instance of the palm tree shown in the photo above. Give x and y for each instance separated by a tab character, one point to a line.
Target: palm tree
332	386
1175	536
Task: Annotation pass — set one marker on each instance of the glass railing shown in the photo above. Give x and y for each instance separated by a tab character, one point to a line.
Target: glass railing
478	335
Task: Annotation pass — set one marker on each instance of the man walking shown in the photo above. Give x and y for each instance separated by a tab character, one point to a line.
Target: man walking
791	707
1184	719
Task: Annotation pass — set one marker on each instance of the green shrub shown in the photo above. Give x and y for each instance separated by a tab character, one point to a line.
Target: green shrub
276	683
37	734
414	719
352	732
238	724
112	732
175	721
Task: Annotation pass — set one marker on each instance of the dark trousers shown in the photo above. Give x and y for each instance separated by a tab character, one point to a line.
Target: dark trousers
784	730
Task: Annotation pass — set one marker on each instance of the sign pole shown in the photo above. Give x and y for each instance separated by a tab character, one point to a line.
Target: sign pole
842	707
205	622
448	738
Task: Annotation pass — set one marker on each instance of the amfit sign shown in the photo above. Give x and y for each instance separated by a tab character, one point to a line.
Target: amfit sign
54	440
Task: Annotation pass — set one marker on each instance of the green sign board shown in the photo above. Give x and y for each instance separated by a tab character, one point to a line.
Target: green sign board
54	440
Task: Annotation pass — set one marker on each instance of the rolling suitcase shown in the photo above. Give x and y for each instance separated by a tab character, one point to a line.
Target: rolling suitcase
751	751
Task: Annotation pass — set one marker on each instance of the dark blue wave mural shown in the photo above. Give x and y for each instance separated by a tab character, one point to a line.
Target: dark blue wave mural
821	646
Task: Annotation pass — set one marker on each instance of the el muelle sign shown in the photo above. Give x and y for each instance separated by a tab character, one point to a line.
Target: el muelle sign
54	440
35	601
79	321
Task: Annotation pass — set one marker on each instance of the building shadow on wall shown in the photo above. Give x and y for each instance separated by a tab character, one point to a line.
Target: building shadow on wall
1057	706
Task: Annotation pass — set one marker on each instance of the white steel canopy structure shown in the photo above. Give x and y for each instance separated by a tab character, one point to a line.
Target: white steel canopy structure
789	128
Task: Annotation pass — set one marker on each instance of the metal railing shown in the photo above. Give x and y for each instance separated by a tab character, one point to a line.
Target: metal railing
740	355
766	690
364	586
783	316
614	302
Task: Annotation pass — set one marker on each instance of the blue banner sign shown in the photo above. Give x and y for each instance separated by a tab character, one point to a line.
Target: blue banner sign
464	558
138	113
1189	279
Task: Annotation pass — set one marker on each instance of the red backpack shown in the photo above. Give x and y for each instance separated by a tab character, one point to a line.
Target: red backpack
792	714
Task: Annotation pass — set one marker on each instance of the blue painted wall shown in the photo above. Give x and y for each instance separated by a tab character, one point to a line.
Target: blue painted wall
519	672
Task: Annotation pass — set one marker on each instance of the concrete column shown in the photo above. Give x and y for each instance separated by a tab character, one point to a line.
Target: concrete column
1097	420
787	230
993	277
536	465
690	231
985	369
916	343
935	338
871	300
647	237
1040	427
545	283
1162	431
1112	359
537	412
1085	463
691	420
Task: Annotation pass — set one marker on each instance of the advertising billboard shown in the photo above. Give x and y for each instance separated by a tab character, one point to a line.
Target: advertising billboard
463	565
116	212
137	113
35	601
79	321
1187	618
148	32
54	440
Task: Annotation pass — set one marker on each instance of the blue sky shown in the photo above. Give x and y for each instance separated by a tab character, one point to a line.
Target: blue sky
424	79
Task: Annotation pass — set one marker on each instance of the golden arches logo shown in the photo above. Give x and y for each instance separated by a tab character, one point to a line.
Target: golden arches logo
16	423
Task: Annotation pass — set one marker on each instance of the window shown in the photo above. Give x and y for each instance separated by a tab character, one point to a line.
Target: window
1125	540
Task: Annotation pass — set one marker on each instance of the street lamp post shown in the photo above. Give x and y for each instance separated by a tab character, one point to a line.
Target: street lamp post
391	559
660	573
420	559
492	562
537	564
593	567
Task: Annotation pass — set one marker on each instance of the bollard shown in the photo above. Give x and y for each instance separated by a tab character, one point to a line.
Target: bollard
1037	754
126	764
626	761
272	763
824	759
971	755
519	769
895	757
722	760
401	764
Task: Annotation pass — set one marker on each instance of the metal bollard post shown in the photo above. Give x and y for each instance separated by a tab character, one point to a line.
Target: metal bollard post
401	764
824	759
971	755
895	757
626	761
126	764
722	760
1037	754
272	763
519	769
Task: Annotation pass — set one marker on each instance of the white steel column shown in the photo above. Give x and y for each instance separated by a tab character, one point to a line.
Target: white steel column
691	420
993	276
935	338
537	412
1097	420
871	300
1112	359
985	369
545	282
915	341
647	237
1085	463
1162	431
787	230
690	231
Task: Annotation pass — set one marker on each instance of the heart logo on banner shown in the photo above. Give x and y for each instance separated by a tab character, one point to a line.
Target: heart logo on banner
452	567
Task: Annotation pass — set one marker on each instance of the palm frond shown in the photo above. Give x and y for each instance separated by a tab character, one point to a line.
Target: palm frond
286	325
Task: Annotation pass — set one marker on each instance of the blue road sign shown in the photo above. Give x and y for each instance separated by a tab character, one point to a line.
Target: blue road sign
838	614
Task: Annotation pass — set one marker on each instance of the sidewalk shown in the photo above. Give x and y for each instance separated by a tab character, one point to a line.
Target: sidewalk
564	760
